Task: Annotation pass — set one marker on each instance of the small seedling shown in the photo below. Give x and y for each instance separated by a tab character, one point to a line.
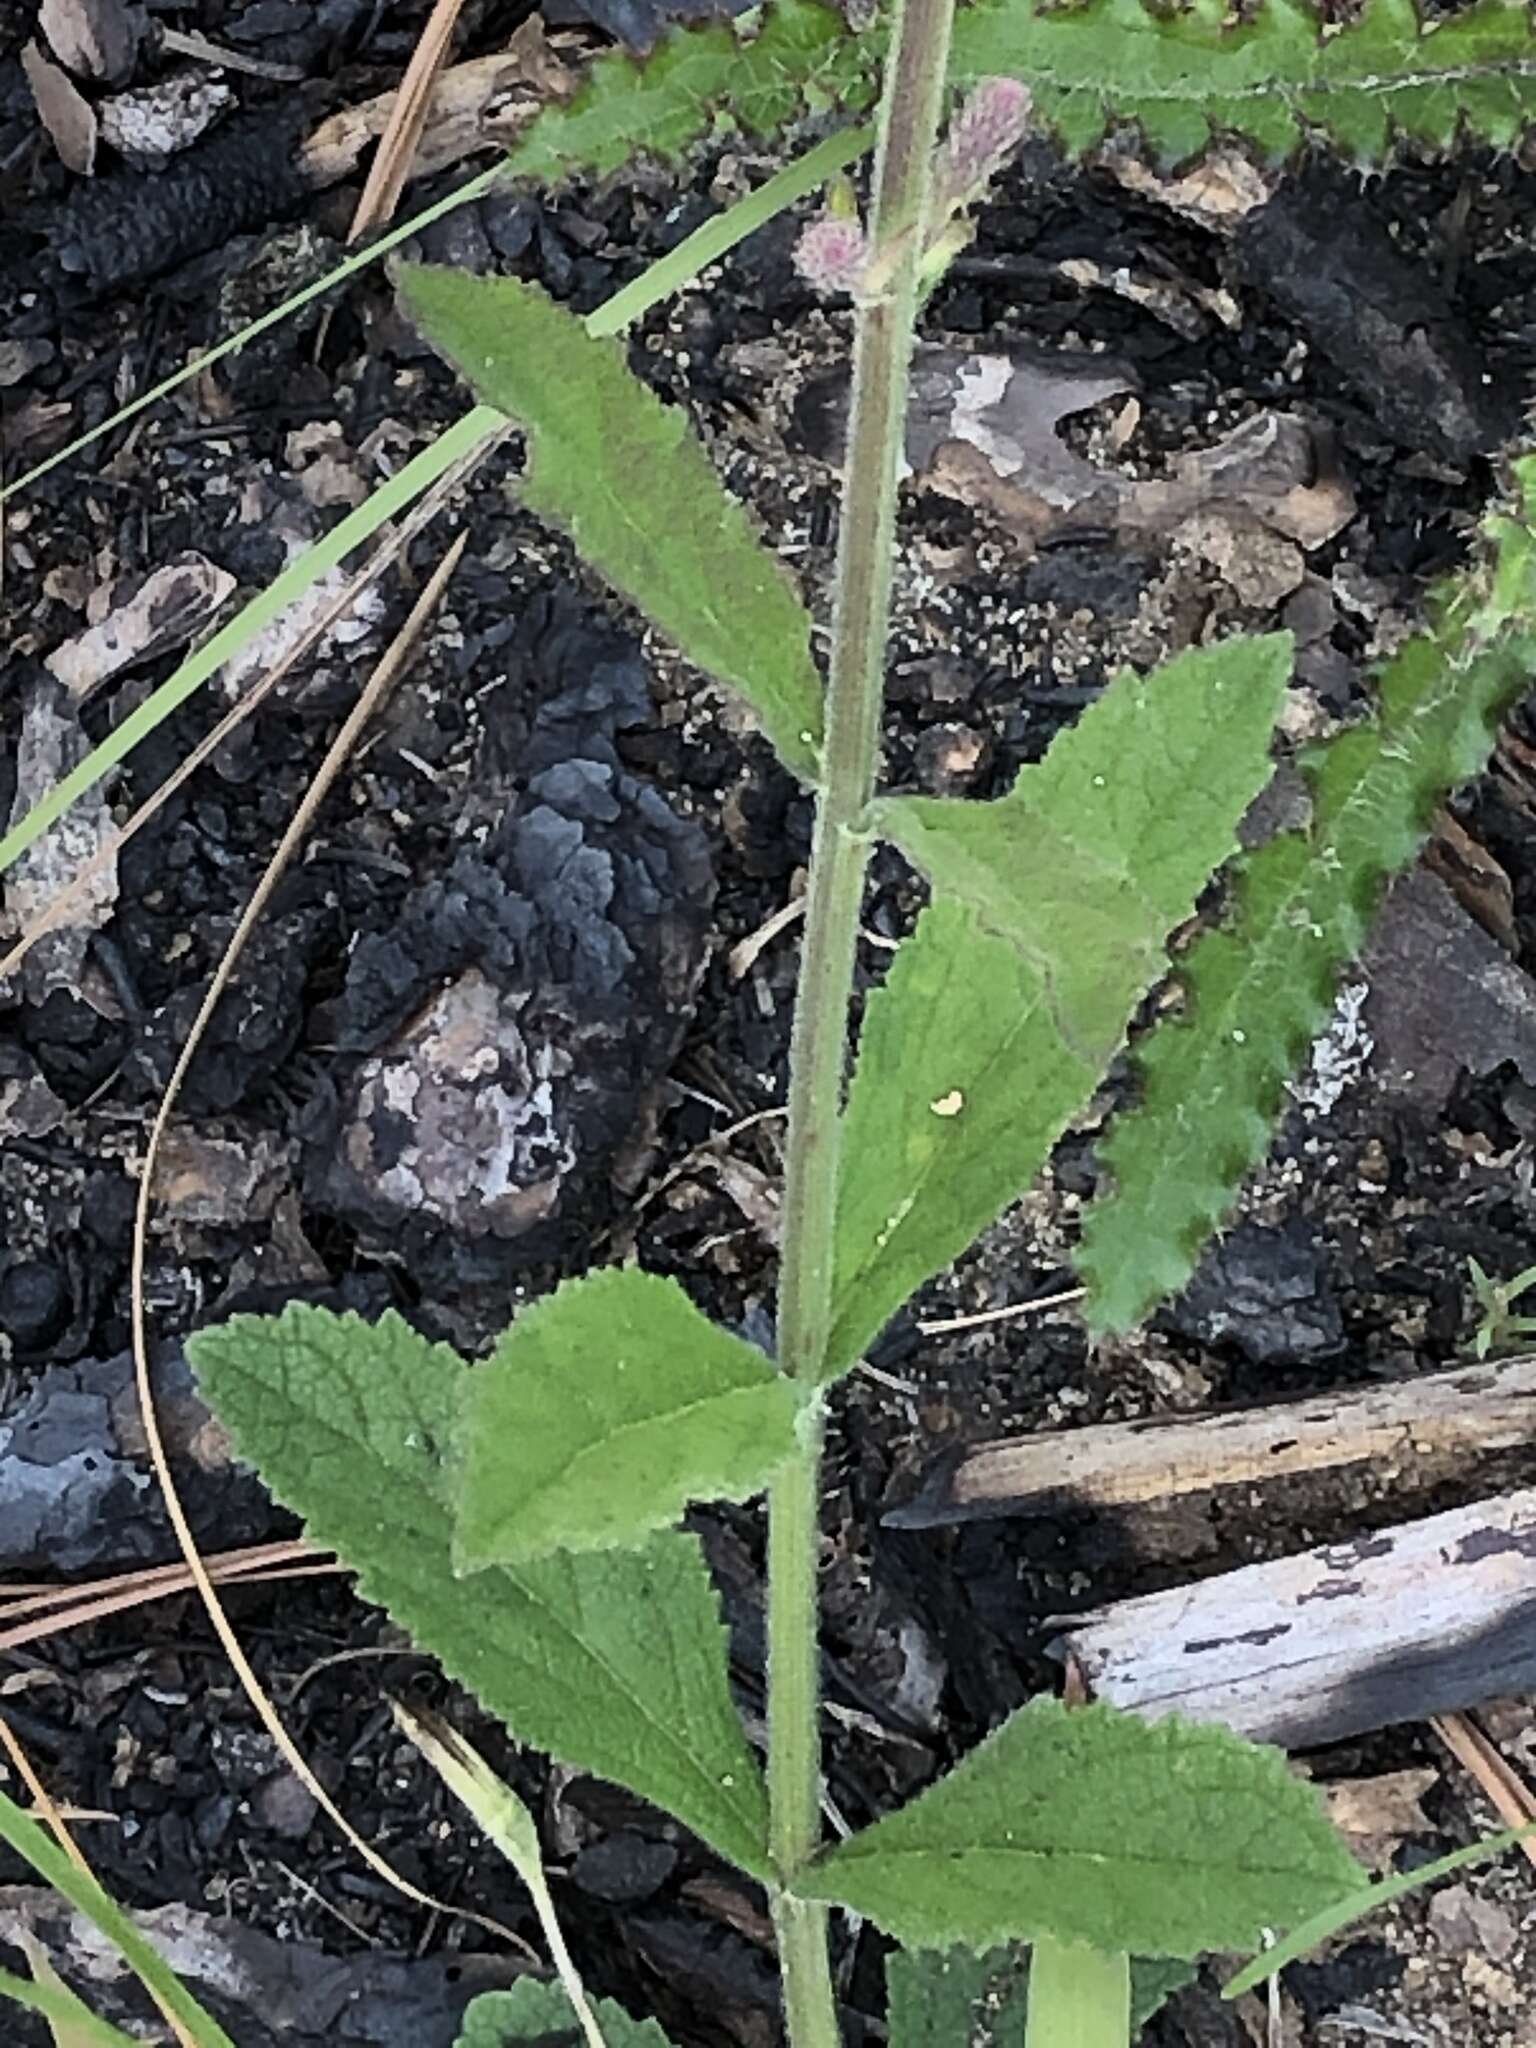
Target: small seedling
1498	1325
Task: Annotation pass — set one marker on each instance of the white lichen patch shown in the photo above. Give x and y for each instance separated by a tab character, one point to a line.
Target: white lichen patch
1340	1056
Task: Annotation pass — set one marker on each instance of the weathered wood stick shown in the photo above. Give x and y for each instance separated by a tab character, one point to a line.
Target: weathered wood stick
1475	1408
1428	1618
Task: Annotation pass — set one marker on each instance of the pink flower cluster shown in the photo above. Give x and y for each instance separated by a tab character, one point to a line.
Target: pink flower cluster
831	253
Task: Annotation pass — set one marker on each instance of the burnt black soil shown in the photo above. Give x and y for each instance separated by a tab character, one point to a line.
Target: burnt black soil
1357	1233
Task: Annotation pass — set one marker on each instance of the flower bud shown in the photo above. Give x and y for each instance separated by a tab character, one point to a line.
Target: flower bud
831	254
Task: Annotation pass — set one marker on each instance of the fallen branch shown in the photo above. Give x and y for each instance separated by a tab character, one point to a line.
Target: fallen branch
1120	1464
1398	1625
479	104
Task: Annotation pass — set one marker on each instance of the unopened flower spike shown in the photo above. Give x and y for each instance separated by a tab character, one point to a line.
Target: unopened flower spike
983	135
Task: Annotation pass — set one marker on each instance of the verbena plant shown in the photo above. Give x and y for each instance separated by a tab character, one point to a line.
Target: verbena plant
519	1517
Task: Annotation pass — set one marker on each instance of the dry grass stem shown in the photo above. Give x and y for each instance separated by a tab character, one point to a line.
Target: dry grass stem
341	748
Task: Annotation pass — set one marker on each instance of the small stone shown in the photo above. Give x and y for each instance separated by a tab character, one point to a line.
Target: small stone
1486	1981
623	1869
34	1303
1462	1921
285	1805
949	759
19	358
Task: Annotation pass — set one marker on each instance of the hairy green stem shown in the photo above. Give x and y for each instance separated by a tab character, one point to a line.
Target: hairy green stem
794	1763
908	129
840	852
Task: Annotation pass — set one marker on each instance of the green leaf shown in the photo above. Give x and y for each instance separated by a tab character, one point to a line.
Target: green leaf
532	2011
606	1408
798	58
1001	1011
963	1083
603	454
1276	74
1164	1838
1078	917
35	1846
951	1999
1154	1979
614	1662
1079	1997
1261	987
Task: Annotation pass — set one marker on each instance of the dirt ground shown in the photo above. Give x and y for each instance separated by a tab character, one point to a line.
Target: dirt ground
1402	334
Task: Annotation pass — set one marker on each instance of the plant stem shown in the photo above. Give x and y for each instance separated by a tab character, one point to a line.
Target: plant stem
908	131
839	852
1078	1997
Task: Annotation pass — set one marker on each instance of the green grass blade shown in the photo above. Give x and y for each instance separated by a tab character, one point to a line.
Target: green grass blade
348	267
64	2012
719	235
706	245
1332	1920
35	1846
326	553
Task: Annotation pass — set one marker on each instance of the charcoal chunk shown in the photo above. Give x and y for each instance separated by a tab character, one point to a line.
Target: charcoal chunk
1381	321
1267	1292
502	1043
126	229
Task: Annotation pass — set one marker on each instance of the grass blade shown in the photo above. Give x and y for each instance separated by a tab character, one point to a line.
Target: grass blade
70	2020
36	1847
1331	1920
348	267
326	553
